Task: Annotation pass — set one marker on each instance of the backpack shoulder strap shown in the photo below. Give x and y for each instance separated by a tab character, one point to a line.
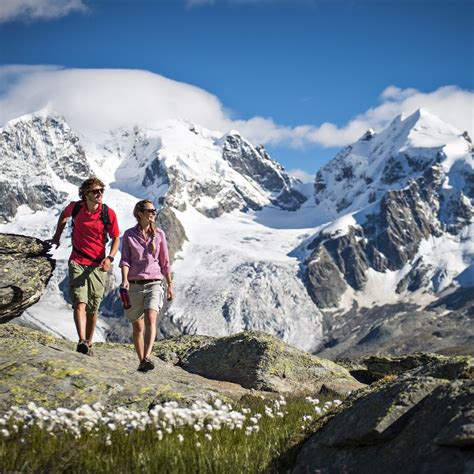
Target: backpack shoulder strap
104	216
76	209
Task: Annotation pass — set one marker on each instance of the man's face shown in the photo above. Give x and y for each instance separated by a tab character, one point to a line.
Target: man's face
95	194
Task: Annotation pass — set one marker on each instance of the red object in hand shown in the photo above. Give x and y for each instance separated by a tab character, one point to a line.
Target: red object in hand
125	298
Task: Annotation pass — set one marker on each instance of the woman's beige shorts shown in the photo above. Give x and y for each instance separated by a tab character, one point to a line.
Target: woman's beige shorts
144	296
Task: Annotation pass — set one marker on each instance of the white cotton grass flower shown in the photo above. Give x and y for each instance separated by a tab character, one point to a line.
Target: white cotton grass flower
180	438
164	419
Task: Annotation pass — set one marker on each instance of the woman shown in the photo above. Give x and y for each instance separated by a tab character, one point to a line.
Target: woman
145	263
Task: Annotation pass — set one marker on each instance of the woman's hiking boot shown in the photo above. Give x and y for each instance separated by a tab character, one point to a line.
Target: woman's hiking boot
145	365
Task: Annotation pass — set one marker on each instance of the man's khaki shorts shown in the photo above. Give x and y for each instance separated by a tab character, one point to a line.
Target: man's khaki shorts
86	285
144	296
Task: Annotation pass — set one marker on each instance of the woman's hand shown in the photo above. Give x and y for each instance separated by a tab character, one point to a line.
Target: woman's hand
125	284
169	292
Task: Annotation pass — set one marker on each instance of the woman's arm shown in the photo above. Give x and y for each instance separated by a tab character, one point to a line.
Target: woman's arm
125	283
164	260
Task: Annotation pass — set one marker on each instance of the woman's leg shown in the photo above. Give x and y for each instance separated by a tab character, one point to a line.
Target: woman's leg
138	339
150	330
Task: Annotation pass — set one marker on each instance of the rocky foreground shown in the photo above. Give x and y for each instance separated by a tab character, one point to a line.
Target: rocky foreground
48	371
417	415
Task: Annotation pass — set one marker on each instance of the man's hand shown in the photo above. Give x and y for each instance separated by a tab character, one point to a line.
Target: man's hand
54	241
105	265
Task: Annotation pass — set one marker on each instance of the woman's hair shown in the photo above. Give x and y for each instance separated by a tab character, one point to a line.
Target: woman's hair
140	206
88	184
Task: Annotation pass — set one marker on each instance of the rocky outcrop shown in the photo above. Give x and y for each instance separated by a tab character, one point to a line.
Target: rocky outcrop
25	269
46	370
422	363
418	422
258	361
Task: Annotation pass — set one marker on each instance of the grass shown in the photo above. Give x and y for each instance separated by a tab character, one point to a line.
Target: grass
263	437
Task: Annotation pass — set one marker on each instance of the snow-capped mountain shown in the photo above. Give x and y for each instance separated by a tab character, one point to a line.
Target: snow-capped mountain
389	222
219	196
400	206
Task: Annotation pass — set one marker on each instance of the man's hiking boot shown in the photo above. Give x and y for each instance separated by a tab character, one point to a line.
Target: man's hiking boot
82	347
145	365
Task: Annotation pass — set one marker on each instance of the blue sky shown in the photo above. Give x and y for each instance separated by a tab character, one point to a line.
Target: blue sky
293	64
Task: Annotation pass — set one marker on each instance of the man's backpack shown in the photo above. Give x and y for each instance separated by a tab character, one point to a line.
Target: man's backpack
104	217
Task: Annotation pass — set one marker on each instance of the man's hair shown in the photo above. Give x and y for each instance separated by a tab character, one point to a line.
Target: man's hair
88	184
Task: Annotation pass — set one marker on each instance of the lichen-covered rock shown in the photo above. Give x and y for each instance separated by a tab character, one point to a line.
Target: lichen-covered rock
260	361
46	370
434	365
25	269
413	425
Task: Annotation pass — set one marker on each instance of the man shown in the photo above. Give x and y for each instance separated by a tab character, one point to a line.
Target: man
88	263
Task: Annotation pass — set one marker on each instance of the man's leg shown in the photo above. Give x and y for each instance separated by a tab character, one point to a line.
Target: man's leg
138	340
80	320
150	330
96	287
90	327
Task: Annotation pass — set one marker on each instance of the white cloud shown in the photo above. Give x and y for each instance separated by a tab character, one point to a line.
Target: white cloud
302	175
38	9
103	99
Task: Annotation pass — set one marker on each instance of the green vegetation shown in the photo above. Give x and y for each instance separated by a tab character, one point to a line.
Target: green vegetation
247	437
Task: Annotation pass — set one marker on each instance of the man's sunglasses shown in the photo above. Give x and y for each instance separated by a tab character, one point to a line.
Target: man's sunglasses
97	191
151	211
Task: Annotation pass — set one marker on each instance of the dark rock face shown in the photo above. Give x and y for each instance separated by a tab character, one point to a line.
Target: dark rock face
25	271
325	280
49	147
174	230
415	423
403	328
389	238
256	164
37	197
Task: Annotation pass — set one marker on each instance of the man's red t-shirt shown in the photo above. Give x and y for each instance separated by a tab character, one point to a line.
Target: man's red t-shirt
88	233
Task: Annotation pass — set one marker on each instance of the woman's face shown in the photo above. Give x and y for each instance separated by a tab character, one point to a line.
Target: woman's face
148	215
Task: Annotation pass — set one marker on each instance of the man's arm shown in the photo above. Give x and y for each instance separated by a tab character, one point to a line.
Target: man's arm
106	263
62	221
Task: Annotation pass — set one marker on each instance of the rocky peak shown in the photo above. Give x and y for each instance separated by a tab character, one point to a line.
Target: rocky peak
411	182
256	164
45	151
